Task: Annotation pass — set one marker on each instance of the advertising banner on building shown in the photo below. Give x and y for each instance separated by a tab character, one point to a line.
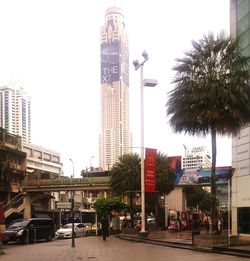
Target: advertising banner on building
175	163
110	56
202	176
150	170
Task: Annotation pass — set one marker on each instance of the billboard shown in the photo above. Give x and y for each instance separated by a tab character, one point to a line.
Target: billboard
125	63
175	163
202	176
110	57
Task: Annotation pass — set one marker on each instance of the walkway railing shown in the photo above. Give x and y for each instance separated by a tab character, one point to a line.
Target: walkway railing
15	203
67	181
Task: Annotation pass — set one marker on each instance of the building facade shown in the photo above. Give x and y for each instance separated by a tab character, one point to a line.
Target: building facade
42	163
15	111
12	164
240	26
115	137
196	158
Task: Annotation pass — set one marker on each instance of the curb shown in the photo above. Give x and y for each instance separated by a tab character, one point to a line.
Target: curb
187	246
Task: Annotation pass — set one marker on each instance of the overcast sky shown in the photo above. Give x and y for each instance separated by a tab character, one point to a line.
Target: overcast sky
52	48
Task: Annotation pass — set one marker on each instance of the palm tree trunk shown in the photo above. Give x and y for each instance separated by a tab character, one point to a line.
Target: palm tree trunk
213	181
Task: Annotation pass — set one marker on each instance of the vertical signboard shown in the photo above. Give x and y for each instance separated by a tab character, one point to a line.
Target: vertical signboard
110	57
175	162
150	170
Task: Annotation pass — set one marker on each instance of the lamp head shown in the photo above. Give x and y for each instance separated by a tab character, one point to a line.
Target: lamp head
145	55
136	64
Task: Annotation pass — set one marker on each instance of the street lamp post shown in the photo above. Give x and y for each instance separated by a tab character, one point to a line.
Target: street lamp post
73	174
149	83
90	168
72	209
185	156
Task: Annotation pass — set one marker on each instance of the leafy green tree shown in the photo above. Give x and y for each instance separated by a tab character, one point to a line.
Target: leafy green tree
126	178
211	94
104	206
165	174
165	183
198	196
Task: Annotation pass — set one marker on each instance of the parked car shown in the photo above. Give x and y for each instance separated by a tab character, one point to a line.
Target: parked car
80	230
30	230
94	229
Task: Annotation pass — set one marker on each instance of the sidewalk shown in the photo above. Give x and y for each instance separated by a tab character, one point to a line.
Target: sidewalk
95	248
183	239
172	244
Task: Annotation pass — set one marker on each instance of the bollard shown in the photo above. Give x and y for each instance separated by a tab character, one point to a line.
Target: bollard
27	239
35	236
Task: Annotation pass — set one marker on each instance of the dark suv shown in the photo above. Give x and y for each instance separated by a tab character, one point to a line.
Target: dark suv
30	230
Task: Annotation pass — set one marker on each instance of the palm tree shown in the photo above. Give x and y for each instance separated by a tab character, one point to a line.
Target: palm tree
165	174
211	94
126	178
198	196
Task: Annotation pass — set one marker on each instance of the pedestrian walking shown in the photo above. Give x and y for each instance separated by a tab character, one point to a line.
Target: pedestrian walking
105	227
220	225
206	222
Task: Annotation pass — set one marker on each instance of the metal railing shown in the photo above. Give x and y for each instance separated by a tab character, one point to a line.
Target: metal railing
14	203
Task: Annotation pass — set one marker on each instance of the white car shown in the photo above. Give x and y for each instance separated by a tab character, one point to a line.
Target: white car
80	230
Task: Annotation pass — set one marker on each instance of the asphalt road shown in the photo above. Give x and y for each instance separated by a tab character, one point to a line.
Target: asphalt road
95	249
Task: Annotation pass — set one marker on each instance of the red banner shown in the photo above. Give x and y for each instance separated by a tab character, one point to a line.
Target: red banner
175	162
150	170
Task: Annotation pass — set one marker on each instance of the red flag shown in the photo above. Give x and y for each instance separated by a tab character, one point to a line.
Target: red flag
150	170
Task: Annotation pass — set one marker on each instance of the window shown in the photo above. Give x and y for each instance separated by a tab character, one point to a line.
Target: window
55	159
244	220
46	156
37	154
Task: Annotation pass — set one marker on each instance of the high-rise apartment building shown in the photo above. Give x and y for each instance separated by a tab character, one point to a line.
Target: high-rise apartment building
115	137
15	111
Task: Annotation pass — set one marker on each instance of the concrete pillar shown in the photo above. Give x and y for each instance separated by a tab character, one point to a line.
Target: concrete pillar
27	206
234	222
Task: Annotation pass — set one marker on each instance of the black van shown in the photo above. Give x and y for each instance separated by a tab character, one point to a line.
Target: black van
30	230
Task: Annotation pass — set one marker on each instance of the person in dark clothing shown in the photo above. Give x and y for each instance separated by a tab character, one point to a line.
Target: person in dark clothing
105	227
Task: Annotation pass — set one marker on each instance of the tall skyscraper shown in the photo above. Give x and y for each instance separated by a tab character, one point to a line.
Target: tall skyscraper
115	137
15	111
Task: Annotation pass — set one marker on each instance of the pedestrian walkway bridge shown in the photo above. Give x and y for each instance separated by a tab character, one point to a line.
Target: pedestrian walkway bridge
67	184
32	189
